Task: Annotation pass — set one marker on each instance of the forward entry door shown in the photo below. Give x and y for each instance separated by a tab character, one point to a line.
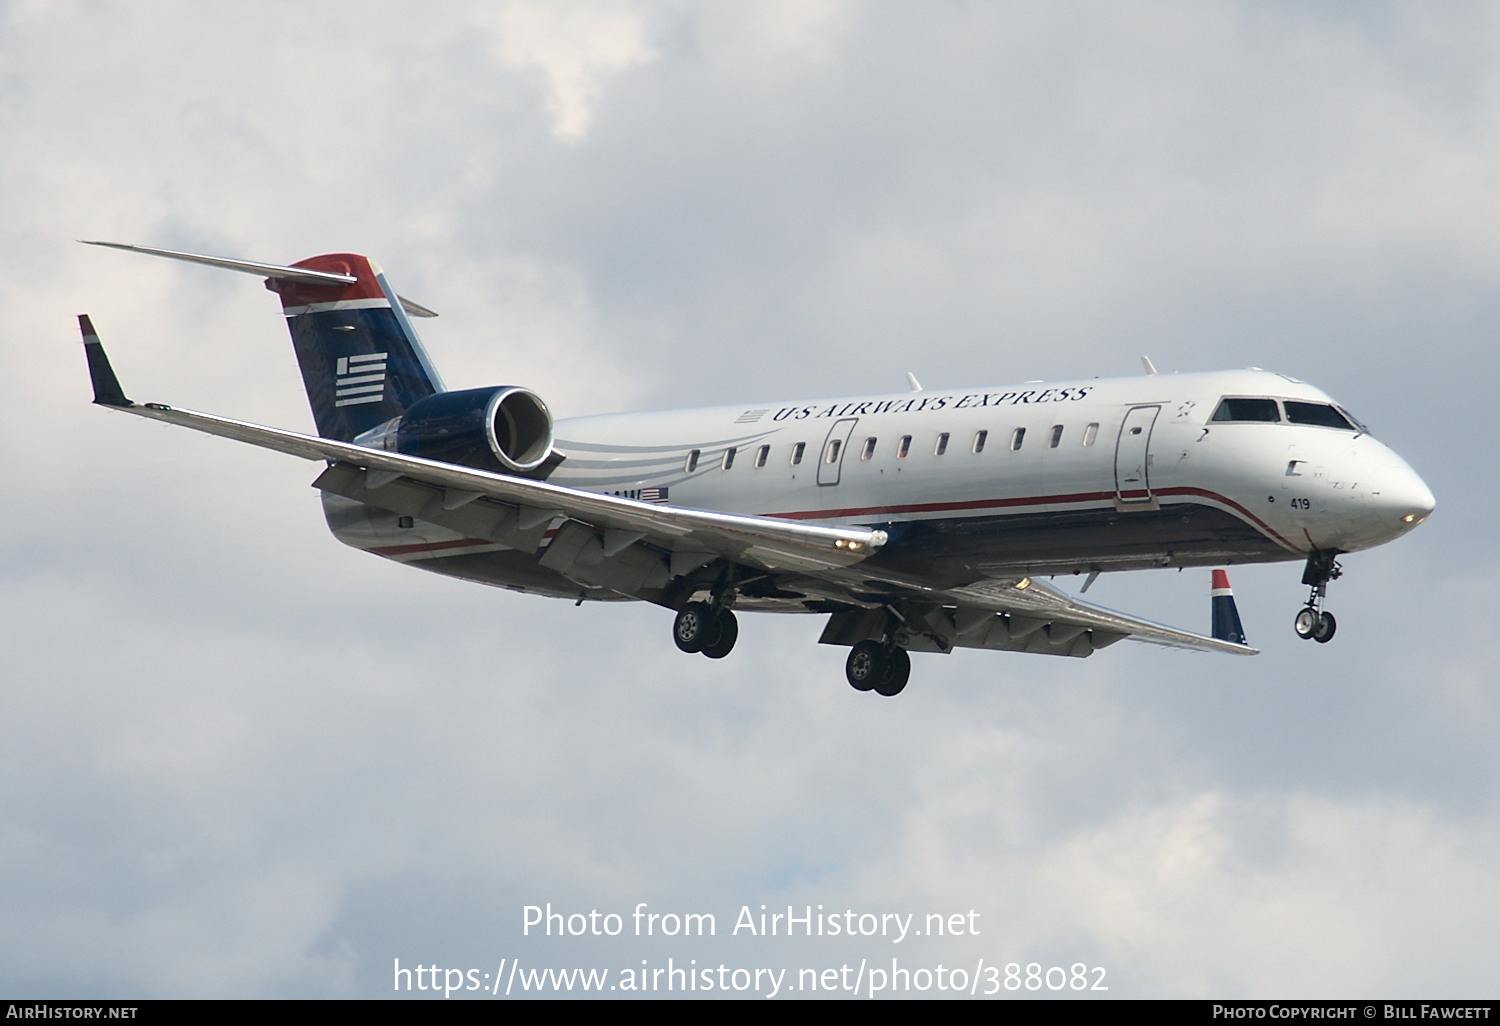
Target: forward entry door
1133	459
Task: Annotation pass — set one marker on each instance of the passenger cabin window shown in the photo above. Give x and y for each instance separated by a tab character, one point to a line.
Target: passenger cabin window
691	464
980	437
1055	439
942	444
1090	433
1016	438
761	455
728	458
1254	410
1317	414
797	451
903	447
831	454
869	449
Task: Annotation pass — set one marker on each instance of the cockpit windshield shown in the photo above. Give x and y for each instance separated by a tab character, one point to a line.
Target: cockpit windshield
1319	414
1238	409
1264	410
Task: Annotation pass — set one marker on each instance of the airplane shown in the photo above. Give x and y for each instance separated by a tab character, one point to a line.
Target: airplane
920	521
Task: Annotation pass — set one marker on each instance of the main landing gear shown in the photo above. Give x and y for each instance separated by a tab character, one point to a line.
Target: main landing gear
880	667
707	628
1313	622
881	664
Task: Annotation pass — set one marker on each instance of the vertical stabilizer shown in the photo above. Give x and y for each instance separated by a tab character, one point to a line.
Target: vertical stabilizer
1226	625
362	362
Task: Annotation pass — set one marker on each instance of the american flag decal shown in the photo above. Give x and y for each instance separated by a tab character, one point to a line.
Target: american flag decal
750	416
359	379
653	495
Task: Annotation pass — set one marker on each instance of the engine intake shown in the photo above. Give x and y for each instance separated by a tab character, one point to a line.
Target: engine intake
504	427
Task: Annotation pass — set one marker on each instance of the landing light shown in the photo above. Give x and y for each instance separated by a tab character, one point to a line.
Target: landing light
1413	518
1024	582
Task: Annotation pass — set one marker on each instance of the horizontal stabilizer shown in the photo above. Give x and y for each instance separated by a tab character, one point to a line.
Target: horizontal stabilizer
300	275
296	274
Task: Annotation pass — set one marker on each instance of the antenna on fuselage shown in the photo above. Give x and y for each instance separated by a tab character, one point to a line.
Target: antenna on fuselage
911	379
1150	367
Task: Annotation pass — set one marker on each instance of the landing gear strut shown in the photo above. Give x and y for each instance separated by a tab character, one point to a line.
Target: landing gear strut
1313	622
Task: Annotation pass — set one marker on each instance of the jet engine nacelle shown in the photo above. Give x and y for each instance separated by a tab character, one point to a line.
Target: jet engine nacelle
504	428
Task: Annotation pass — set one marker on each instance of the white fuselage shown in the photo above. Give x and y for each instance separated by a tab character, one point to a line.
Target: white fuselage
1035	478
1303	487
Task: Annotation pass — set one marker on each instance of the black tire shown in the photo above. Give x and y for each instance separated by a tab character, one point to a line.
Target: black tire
696	627
1327	625
898	672
866	664
729	632
1306	624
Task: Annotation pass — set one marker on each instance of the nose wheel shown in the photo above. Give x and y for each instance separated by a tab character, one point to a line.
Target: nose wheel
1315	625
1313	622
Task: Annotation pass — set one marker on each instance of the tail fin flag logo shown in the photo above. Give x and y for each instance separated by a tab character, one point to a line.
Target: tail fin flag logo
359	379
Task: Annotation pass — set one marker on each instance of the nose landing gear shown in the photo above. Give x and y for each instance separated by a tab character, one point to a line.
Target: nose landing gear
1313	622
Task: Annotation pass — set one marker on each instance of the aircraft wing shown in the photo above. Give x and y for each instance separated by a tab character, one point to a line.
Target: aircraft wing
597	534
513	510
1019	614
1038	617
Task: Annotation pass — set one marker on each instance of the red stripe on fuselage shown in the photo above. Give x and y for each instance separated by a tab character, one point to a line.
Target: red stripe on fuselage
405	550
461	543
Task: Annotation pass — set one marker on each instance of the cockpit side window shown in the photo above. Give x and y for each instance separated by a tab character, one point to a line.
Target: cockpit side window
1317	414
1233	408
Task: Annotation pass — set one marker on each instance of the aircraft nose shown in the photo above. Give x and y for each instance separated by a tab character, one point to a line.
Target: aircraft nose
1403	499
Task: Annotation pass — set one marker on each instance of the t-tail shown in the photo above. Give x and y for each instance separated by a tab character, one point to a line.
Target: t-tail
362	362
1226	623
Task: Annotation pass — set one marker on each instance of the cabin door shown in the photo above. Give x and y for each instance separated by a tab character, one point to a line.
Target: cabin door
1133	459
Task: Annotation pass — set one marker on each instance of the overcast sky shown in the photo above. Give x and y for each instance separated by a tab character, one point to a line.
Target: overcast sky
239	759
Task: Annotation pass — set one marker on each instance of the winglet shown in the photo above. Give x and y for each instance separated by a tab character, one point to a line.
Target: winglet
1226	615
107	390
